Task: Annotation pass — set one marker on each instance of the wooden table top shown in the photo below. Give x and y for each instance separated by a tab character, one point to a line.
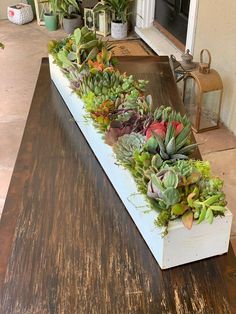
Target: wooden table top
68	245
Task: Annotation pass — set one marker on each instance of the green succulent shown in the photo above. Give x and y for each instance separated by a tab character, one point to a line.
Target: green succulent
77	49
179	190
182	167
102	83
126	146
133	101
167	114
163	188
112	85
173	147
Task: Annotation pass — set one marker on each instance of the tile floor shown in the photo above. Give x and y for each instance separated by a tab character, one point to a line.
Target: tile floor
19	66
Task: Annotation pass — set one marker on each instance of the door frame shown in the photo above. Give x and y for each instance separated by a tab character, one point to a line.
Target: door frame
145	19
192	25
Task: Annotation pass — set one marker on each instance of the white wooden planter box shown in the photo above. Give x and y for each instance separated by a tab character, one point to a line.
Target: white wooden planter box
181	245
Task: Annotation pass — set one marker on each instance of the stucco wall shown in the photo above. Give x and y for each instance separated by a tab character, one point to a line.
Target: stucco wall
5	3
3	7
216	31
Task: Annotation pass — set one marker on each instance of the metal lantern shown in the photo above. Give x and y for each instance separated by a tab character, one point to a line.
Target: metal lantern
202	96
98	21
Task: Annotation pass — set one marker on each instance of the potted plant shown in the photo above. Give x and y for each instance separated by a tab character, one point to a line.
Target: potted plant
119	12
51	17
69	15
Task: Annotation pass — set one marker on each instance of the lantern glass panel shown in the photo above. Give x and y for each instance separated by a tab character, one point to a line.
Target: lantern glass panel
210	109
96	20
102	26
89	18
190	99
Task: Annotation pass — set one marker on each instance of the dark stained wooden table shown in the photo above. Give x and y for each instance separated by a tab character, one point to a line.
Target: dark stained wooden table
68	245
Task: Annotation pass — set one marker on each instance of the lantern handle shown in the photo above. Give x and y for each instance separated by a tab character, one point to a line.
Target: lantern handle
209	57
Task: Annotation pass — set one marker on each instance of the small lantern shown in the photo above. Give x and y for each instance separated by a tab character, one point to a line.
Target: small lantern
202	96
97	20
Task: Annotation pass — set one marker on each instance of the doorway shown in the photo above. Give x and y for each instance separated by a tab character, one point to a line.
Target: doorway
171	18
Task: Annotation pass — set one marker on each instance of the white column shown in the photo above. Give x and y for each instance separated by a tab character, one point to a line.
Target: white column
192	24
145	13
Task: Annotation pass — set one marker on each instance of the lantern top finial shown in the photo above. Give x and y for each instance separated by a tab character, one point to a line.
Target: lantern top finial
187	59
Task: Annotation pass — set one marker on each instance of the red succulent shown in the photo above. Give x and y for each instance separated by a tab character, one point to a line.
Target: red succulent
178	126
158	128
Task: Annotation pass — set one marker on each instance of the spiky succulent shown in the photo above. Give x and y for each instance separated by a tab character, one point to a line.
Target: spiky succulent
110	82
167	114
102	83
170	135
172	142
126	145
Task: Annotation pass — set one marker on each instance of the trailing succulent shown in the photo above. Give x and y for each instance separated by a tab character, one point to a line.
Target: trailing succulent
154	145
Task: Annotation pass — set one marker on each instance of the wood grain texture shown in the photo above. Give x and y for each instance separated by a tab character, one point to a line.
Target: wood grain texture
67	243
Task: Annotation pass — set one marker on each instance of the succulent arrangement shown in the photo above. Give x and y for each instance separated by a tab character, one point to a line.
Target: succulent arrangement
73	53
155	146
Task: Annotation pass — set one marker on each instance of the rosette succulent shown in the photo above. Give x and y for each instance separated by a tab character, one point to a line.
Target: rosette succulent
180	190
126	146
163	188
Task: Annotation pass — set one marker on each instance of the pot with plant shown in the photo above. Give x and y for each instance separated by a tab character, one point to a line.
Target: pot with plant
51	17
69	15
119	10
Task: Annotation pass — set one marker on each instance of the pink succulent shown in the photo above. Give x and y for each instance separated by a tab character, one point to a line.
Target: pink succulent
158	128
178	126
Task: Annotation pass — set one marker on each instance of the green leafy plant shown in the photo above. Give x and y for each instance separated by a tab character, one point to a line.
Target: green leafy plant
66	8
53	6
119	9
1	45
